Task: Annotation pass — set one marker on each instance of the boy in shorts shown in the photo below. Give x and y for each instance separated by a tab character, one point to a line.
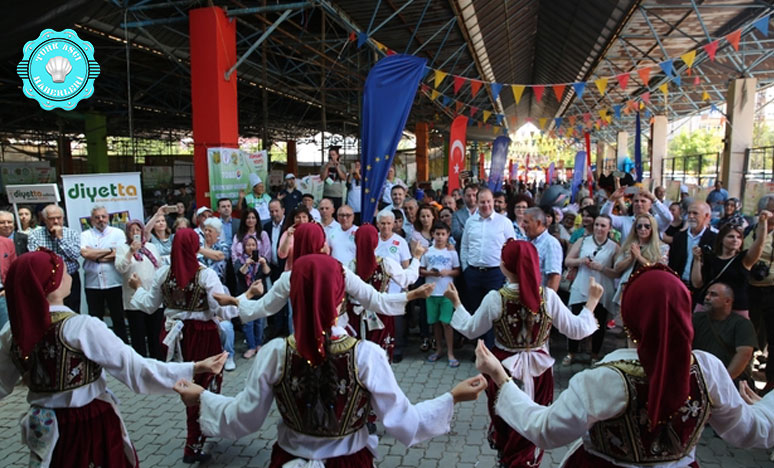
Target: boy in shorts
440	265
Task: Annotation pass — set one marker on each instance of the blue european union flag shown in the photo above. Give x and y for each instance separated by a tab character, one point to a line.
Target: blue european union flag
387	98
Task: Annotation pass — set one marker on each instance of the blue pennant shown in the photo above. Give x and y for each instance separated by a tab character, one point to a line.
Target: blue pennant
617	110
666	67
361	39
579	88
496	87
500	118
558	122
762	25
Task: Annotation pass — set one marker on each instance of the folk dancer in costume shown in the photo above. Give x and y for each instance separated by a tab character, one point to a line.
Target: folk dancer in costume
522	314
73	419
386	276
325	382
185	289
311	239
642	406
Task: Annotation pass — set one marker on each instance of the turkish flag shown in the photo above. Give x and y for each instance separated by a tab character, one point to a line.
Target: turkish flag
457	151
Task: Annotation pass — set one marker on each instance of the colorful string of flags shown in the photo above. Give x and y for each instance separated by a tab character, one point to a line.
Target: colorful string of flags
601	84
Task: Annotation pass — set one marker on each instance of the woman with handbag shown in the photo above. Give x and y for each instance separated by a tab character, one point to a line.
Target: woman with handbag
592	256
728	263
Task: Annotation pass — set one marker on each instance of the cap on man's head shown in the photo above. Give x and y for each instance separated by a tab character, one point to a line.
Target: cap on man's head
290	176
254	180
202	210
683	188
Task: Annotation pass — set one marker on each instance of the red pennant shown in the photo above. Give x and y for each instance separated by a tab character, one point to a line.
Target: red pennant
586	117
538	90
514	121
572	120
696	81
711	48
488	126
688	71
479	124
623	80
646	97
473	111
458	82
733	38
558	91
644	75
424	88
390	52
352	36
457	106
475	85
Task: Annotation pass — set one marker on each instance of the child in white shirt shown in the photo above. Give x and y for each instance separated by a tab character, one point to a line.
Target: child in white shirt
440	265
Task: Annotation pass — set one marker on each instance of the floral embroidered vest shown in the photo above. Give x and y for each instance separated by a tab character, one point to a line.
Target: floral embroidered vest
380	280
352	402
53	366
627	437
518	328
192	298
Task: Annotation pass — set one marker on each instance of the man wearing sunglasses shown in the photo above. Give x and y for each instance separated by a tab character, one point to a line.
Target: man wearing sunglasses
642	202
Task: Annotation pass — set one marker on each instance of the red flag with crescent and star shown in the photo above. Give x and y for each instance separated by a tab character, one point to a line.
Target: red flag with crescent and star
457	151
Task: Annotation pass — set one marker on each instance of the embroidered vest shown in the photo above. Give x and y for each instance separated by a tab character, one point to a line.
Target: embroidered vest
380	280
518	328
53	366
352	403
627	437
192	298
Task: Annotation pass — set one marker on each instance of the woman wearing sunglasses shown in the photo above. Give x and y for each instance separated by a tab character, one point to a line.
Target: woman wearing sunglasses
641	248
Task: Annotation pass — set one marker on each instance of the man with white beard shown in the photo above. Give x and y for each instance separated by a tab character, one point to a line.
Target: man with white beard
697	233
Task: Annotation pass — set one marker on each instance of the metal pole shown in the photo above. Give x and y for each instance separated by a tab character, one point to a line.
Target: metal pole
129	104
260	40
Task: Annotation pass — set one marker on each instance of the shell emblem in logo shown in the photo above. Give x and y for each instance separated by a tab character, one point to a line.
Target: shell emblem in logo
58	69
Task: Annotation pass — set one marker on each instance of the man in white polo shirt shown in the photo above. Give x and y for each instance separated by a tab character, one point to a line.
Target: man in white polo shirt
342	239
325	207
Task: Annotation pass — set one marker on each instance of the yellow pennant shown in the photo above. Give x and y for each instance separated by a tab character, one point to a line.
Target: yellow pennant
688	58
518	90
542	121
705	96
495	130
434	95
603	113
486	115
664	88
601	85
439	76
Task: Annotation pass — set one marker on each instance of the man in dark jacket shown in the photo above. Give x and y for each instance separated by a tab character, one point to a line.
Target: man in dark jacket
698	232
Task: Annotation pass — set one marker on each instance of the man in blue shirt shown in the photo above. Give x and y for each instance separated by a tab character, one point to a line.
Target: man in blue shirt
717	197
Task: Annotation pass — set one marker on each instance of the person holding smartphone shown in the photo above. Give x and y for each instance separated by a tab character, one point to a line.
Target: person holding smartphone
250	267
334	176
140	257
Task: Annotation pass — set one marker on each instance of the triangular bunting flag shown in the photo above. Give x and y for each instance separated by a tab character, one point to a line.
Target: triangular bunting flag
664	88
438	79
623	80
458	82
572	120
488	126
733	39
644	75
688	58
705	96
479	124
446	100
603	113
558	122
579	88
586	117
496	87
458	105
762	25
475	85
688	71
542	122
514	120
361	39
666	67
495	130
558	91
500	118
677	80
601	85
711	48
617	110
518	90
433	95
646	97
538	90
486	115
696	80
473	111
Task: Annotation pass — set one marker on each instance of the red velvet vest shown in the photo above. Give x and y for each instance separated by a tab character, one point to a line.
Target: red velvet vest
352	402
53	366
518	328
380	280
192	298
627	437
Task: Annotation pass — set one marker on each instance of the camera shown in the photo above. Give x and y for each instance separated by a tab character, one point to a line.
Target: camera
255	256
759	271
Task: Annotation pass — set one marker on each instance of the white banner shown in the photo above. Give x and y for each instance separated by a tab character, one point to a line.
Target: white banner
27	173
120	193
33	194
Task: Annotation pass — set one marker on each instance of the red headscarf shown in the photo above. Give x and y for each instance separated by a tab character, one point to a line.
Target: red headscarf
656	311
308	238
316	291
366	241
184	262
30	279
521	258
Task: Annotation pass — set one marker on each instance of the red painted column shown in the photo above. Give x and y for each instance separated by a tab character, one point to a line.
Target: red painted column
213	99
